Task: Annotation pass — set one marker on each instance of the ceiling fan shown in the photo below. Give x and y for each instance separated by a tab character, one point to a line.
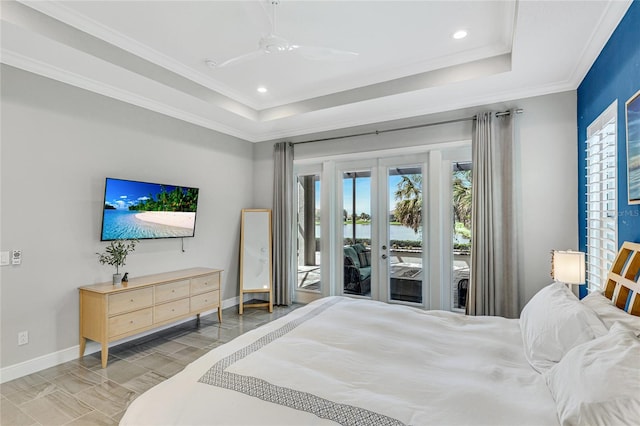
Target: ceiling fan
273	43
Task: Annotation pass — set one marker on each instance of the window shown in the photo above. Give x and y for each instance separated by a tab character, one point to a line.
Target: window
602	221
308	232
461	200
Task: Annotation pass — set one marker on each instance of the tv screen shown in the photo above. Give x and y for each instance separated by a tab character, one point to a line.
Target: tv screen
143	210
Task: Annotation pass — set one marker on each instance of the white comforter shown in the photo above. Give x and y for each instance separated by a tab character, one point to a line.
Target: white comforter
358	362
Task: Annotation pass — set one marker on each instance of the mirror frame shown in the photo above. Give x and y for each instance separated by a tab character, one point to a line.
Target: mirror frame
256	250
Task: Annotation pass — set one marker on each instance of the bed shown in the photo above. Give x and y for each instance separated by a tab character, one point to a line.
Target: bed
351	361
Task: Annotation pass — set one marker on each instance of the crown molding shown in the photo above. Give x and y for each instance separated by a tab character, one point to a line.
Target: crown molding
68	16
381	115
44	69
602	31
388	114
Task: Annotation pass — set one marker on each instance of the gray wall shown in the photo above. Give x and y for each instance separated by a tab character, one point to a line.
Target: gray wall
549	185
547	157
58	145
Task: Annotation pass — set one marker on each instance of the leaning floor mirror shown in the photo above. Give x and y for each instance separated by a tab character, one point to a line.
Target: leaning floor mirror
256	258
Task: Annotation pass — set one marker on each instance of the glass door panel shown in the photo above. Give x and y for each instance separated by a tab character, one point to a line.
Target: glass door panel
308	232
402	247
461	198
357	235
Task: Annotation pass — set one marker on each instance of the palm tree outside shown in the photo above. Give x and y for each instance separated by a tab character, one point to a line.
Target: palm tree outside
408	210
462	202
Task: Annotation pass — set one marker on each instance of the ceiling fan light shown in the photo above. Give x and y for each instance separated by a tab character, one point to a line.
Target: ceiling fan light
460	34
262	89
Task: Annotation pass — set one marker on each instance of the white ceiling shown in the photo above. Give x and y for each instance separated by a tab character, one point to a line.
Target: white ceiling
153	54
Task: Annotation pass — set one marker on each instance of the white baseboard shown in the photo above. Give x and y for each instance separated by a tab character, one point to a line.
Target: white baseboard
43	362
40	363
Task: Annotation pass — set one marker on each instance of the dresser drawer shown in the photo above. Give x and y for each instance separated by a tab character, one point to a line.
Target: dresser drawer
125	323
205	283
169	310
204	300
130	300
172	291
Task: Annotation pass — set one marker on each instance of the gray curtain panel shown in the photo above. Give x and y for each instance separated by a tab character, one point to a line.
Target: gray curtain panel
493	288
283	268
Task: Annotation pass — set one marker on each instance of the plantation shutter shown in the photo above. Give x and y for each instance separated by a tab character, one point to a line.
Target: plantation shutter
602	217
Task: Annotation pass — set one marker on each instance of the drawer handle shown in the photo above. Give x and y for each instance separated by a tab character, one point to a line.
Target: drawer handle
132	300
173	291
131	322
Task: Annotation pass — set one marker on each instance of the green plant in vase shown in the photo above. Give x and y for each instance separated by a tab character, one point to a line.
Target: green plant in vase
116	254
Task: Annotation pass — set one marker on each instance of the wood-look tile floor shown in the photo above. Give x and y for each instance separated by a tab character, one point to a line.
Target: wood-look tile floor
81	392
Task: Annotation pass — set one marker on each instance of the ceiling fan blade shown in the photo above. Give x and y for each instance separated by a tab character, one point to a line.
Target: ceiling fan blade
241	58
272	43
324	53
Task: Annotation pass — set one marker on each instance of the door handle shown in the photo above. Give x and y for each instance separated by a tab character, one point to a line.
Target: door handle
384	247
384	256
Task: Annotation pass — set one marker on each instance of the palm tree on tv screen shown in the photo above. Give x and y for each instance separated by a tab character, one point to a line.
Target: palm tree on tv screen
178	200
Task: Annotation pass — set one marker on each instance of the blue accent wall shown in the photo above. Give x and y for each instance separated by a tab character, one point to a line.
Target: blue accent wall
614	75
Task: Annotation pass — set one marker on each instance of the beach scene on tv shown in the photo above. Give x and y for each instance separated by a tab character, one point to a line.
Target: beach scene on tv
140	210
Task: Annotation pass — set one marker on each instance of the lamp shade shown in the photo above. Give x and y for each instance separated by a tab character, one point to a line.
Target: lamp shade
568	267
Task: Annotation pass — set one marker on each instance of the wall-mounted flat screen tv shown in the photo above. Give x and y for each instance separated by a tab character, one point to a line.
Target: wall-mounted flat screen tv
142	210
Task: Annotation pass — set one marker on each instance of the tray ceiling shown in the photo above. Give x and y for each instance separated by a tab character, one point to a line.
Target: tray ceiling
154	54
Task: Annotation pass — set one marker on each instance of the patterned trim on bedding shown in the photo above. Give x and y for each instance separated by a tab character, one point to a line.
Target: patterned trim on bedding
340	413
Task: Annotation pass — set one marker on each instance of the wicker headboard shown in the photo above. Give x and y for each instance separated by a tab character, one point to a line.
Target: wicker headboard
623	281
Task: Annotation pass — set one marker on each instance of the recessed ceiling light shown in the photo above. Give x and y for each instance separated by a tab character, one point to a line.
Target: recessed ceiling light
262	89
459	34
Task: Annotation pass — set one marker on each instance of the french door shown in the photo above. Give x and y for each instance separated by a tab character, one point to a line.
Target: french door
310	270
379	228
393	229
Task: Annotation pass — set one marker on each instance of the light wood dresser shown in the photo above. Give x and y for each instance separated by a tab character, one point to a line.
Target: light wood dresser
109	313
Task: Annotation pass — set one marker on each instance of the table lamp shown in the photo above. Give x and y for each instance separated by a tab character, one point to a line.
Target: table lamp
568	267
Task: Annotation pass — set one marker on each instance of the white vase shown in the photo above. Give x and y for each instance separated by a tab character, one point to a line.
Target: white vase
117	279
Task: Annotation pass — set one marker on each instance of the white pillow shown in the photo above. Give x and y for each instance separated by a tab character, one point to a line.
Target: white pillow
597	383
609	313
553	322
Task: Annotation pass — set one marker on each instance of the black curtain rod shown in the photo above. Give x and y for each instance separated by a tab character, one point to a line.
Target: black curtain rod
418	126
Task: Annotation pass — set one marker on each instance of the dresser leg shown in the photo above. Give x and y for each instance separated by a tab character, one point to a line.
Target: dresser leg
220	314
83	345
197	320
105	354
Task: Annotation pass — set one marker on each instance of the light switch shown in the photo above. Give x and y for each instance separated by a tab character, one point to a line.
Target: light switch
4	258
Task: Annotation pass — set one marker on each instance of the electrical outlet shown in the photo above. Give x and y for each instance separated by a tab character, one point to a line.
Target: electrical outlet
23	338
4	258
16	257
